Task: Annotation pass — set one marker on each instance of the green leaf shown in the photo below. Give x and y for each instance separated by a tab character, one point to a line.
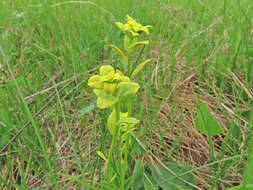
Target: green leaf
104	100
118	52
111	121
149	182
250	72
135	45
169	181
5	129
242	187
138	175
127	126
139	68
136	147
128	120
247	173
101	154
249	53
206	123
87	109
19	187
127	90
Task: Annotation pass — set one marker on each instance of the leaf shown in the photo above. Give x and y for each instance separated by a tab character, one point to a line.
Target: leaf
135	45
137	148
5	129
101	154
247	173
19	187
250	72
206	123
249	53
119	52
242	187
127	90
149	182
168	181
111	121
87	109
126	135
139	68
104	100
138	175
128	120
127	126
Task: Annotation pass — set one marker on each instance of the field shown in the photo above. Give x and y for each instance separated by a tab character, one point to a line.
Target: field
201	66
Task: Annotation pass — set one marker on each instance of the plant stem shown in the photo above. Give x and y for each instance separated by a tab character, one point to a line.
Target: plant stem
211	148
128	64
113	144
124	165
123	161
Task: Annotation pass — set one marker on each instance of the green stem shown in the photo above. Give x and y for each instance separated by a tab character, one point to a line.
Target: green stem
124	165
113	144
211	148
129	108
128	64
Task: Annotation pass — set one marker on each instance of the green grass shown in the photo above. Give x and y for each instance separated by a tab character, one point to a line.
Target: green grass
201	50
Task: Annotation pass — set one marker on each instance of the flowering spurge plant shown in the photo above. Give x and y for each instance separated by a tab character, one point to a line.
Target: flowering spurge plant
115	91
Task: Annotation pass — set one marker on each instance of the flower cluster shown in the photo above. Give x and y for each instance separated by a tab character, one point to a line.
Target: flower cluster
132	28
111	86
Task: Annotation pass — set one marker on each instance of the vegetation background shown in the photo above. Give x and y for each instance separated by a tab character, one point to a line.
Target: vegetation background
50	129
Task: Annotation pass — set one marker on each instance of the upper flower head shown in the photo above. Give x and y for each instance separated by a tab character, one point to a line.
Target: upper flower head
133	28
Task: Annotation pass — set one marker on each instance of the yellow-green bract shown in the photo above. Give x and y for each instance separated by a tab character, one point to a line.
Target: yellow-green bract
112	87
132	28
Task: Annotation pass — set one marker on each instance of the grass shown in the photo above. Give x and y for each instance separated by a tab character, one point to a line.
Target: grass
201	51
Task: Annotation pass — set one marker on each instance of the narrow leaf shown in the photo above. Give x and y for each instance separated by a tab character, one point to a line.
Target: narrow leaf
136	45
118	52
247	173
139	68
101	154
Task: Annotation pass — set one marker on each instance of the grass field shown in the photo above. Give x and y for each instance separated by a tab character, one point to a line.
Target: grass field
201	51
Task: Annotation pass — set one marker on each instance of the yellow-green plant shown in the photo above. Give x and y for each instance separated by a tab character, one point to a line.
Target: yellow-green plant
115	91
132	31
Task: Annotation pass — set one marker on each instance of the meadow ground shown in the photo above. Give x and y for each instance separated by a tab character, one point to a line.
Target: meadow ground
201	51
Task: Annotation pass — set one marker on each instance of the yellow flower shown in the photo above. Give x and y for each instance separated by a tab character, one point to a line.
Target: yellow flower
107	80
137	27
95	82
133	28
